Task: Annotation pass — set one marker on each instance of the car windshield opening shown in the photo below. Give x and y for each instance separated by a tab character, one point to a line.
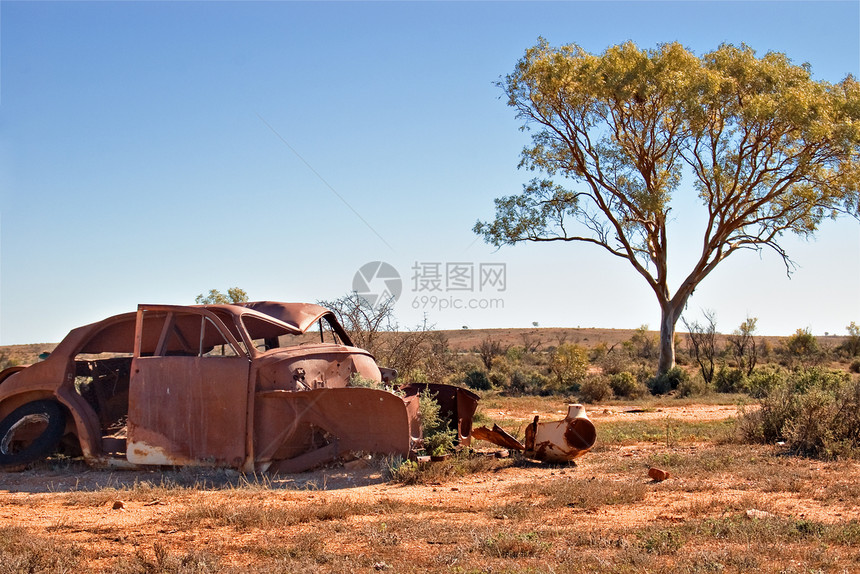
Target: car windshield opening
267	335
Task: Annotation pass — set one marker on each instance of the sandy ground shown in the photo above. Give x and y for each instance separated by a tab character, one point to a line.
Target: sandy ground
117	513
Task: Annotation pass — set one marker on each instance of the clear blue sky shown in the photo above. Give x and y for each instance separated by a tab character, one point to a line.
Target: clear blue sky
152	151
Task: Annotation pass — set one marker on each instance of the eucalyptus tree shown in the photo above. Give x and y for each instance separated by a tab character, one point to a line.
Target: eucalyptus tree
616	136
215	297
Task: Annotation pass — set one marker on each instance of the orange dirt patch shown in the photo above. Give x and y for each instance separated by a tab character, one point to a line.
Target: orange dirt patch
529	517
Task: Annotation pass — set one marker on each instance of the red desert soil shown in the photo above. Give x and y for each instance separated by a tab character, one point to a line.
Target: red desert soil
104	512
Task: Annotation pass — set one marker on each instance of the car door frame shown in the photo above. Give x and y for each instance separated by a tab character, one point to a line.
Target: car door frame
192	409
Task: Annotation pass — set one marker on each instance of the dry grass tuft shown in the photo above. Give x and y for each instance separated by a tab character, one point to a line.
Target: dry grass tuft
22	551
589	494
461	464
264	516
513	545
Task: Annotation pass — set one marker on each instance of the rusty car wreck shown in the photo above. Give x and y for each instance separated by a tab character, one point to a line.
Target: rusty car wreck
248	386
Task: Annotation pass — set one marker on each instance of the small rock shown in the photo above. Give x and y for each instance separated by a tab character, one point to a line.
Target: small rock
455	489
657	474
381	566
118	505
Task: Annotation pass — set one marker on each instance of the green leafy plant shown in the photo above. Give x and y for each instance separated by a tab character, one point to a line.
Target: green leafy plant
477	379
438	438
668	381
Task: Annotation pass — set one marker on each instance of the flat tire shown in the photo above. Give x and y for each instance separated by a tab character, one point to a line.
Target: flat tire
30	433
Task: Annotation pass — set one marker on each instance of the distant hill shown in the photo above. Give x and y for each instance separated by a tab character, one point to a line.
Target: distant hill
466	340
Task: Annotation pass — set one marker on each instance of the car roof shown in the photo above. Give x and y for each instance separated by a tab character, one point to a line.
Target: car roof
116	333
301	316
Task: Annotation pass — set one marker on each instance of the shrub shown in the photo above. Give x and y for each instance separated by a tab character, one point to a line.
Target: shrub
624	384
532	383
616	362
569	364
763	380
358	380
816	412
668	381
851	346
595	389
802	347
729	380
643	344
598	352
498	379
477	379
693	387
438	438
855	366
829	380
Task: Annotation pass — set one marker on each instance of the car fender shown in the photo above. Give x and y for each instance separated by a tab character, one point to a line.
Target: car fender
85	421
9	371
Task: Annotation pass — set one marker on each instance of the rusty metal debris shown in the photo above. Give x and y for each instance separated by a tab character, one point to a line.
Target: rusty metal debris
556	441
260	387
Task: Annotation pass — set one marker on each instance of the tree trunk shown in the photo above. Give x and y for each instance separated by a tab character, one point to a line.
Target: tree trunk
669	314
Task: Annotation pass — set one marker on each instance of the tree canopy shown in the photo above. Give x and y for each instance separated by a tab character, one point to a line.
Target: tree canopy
215	297
766	148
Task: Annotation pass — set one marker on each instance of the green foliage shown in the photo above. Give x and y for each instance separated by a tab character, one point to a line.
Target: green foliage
802	347
769	150
729	380
438	438
743	345
530	383
763	380
569	364
477	379
359	380
595	389
626	385
816	412
215	297
851	346
692	387
642	344
668	381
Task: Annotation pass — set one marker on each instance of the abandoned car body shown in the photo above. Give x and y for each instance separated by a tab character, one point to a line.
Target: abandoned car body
247	386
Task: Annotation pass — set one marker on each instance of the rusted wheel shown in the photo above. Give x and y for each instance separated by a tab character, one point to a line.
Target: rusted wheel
29	433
